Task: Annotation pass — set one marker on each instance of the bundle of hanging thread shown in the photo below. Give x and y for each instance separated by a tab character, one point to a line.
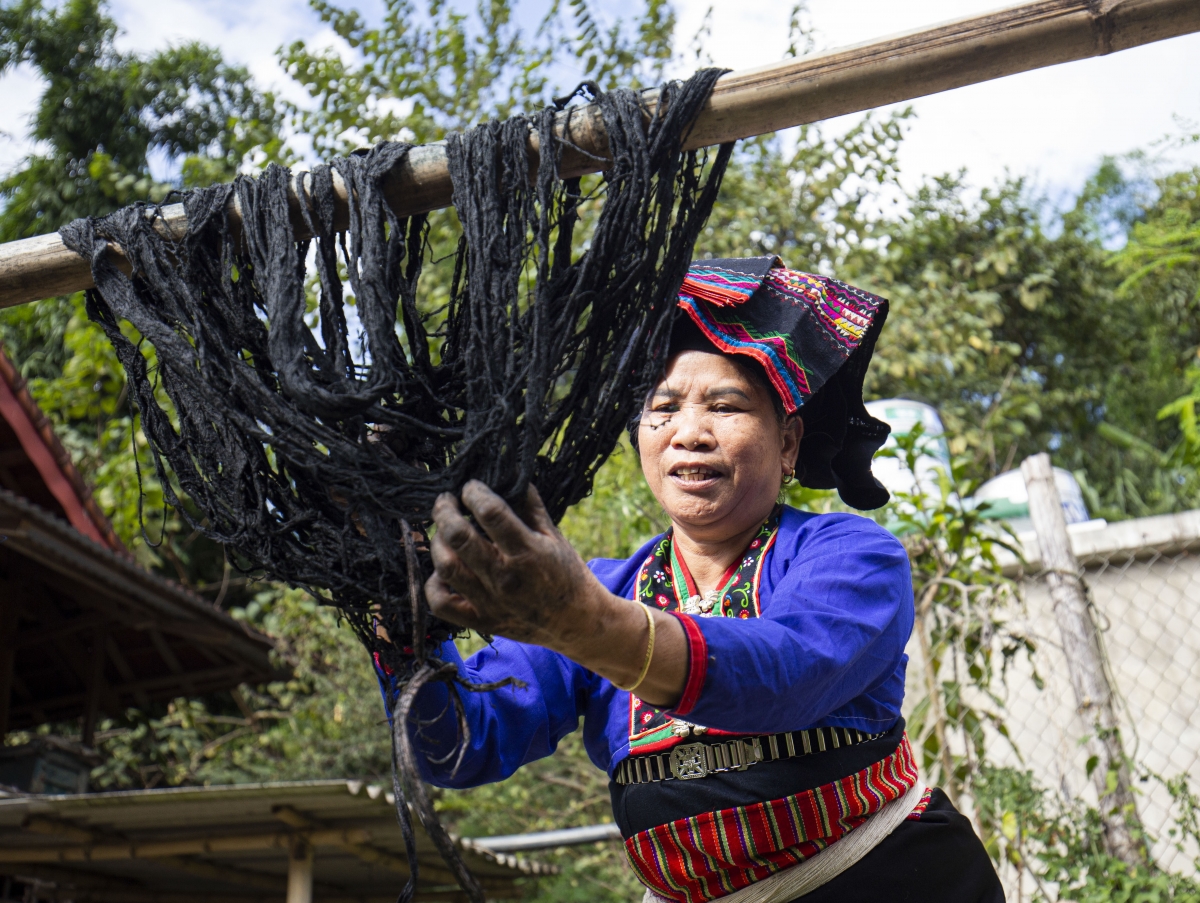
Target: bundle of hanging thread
314	442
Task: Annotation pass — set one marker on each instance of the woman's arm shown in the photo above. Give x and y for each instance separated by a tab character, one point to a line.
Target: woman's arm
505	728
518	577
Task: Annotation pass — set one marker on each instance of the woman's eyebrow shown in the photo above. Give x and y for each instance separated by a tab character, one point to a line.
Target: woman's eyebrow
718	391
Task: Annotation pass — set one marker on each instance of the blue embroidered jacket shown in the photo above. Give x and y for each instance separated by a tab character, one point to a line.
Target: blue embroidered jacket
836	605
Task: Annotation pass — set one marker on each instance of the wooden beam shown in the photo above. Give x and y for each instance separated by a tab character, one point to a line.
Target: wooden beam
82	882
56	827
110	583
238	877
34	582
113	606
85	891
63	645
753	102
203	681
233	875
8	655
435	872
87	845
95	687
126	673
29	638
172	662
109	851
85	850
300	871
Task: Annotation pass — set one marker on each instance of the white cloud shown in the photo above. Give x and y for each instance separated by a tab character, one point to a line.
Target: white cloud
248	32
19	93
1052	124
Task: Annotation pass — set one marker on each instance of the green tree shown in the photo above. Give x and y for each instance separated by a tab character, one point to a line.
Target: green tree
1162	261
105	115
812	202
104	118
421	70
1017	323
1024	341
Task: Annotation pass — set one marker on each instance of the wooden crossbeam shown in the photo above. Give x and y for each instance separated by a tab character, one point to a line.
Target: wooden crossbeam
110	590
84	891
202	680
8	631
237	877
434	873
110	850
753	102
82	846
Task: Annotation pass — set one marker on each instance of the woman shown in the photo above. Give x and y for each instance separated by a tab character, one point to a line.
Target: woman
740	677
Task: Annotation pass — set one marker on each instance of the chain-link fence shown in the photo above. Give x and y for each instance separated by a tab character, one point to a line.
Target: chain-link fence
1142	580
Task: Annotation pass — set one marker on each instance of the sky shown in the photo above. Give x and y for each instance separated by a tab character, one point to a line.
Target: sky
1052	125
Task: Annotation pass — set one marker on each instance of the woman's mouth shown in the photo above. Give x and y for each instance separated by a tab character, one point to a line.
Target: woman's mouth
695	476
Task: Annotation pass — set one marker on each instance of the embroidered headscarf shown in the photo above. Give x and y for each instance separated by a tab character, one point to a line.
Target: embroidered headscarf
813	338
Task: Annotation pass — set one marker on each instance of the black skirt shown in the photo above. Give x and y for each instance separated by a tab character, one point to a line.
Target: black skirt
937	858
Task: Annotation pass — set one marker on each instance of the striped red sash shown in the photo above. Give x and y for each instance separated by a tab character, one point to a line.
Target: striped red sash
708	856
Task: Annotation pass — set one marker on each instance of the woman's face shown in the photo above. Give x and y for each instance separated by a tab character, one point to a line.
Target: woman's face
712	448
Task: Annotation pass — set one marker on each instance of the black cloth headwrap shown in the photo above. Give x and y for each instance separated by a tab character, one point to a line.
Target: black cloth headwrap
812	338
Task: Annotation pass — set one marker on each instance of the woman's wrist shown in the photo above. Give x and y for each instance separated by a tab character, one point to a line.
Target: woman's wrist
611	636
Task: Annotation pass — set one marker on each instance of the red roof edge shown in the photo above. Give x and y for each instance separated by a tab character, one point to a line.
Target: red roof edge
53	462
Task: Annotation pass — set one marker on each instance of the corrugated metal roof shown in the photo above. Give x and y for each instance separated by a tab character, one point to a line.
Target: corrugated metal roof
230	842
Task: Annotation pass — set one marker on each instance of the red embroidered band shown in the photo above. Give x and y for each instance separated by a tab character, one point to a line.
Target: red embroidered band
697	664
694	860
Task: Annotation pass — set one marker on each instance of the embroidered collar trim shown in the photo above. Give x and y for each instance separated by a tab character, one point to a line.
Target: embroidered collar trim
665	583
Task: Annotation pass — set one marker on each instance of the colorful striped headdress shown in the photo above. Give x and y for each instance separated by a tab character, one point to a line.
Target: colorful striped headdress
813	337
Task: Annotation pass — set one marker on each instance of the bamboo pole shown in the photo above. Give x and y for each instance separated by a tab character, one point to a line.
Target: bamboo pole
1082	649
751	102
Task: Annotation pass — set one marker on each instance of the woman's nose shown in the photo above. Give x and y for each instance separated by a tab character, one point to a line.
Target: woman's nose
692	429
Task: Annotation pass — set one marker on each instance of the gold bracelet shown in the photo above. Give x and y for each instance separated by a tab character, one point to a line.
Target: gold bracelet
649	653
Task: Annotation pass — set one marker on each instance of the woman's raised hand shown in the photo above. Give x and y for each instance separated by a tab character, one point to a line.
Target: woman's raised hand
514	576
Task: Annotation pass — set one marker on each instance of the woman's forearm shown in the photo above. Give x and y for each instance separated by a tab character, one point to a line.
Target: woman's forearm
610	636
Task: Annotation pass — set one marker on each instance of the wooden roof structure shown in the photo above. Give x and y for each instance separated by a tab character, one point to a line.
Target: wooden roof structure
85	630
335	841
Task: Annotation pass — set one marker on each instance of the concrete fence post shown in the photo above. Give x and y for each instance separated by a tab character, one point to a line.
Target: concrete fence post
1082	648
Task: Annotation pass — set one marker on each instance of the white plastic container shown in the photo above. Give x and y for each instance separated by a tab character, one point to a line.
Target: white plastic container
902	415
1010	498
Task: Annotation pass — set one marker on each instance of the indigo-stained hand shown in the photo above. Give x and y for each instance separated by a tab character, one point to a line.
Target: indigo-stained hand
506	574
515	575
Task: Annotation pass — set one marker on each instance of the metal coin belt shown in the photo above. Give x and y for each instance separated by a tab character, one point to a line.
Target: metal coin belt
689	761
